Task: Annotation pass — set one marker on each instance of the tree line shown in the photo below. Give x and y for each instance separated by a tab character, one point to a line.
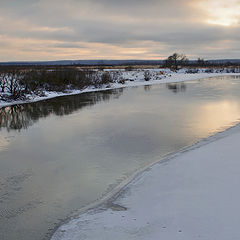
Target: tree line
177	61
16	83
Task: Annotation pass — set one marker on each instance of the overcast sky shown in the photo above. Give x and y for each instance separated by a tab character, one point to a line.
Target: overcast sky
118	29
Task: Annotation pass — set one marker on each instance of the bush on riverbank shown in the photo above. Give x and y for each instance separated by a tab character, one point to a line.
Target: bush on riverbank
17	83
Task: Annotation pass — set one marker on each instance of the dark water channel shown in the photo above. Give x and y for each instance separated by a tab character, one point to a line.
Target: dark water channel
59	155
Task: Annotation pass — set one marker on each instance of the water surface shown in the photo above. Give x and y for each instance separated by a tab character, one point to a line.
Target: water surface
59	155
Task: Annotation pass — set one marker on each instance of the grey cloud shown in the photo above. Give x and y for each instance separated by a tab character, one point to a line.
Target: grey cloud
173	23
66	45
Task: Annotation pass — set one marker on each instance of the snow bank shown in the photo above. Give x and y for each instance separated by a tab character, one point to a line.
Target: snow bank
133	78
193	196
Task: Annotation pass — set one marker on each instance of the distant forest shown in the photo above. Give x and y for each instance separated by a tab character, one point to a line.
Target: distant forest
89	63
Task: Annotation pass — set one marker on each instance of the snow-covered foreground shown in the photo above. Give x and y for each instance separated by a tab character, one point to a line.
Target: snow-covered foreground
192	195
133	78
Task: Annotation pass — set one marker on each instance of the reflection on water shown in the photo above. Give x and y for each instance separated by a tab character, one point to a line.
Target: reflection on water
19	117
176	87
147	88
218	114
76	150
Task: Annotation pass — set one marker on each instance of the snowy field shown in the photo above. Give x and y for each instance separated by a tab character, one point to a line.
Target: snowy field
191	195
132	78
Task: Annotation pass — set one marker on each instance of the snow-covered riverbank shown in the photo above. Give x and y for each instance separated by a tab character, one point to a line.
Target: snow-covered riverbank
192	196
133	78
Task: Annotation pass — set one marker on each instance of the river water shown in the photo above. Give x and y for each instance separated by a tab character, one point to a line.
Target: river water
59	155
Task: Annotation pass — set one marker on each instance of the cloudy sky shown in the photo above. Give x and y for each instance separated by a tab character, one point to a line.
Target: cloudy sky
118	29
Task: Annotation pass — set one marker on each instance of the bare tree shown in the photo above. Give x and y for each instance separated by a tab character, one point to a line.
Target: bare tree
201	62
13	83
3	81
176	61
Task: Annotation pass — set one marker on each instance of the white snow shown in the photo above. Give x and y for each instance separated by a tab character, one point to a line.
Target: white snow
134	78
192	195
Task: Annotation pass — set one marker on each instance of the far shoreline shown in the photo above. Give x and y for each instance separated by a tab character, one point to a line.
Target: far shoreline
171	78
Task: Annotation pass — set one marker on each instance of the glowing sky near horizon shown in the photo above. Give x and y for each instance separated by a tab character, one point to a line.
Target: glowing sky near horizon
113	29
